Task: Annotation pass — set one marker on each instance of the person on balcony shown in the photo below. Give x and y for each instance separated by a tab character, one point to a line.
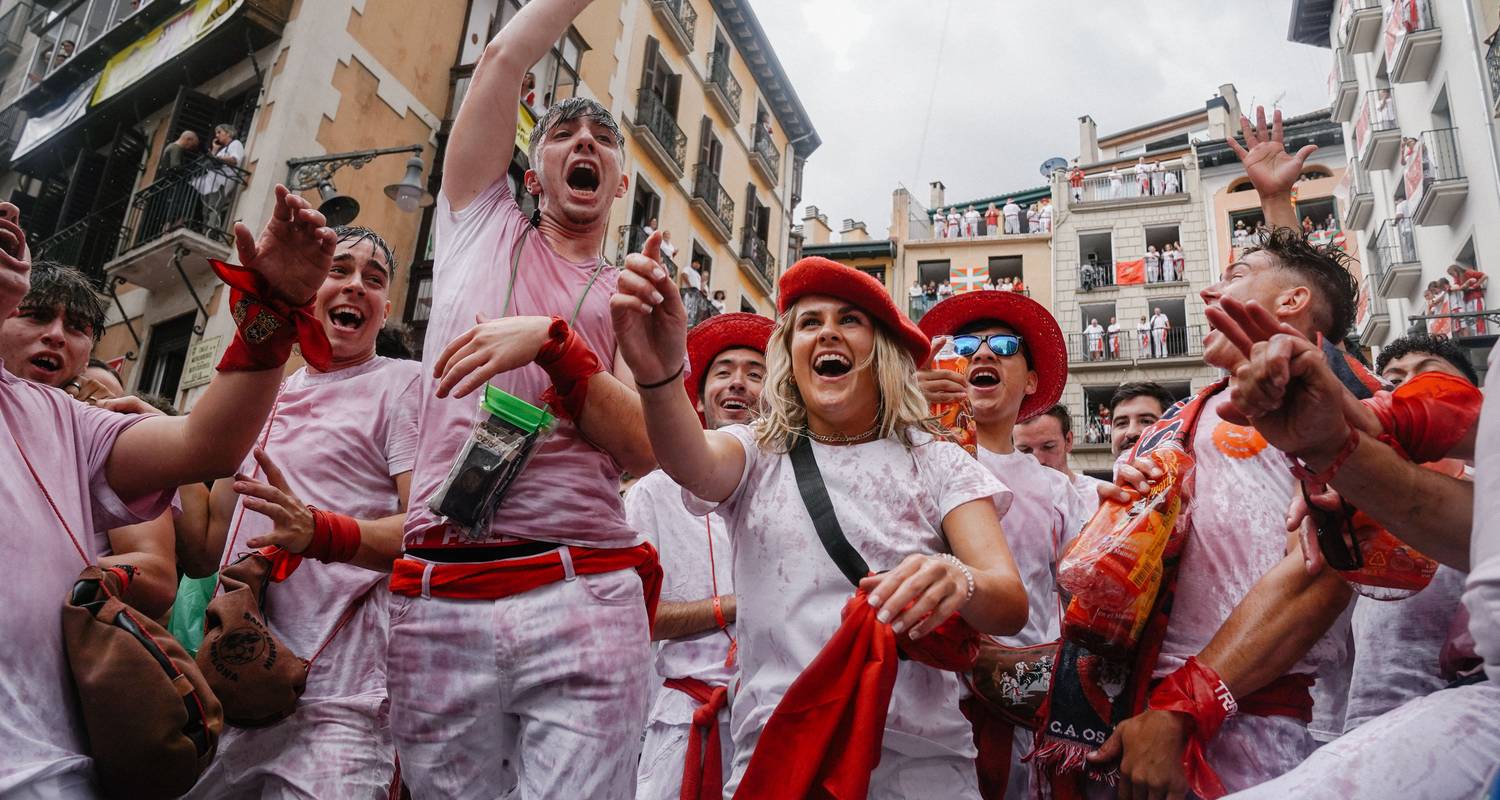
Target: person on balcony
1114	337
991	220
955	223
179	153
971	222
1143	170
1172	263
1158	178
1012	214
1143	336
1471	284
1075	182
718	301
1019	286
1046	215
939	224
1153	264
1093	336
1034	218
944	289
1159	327
667	248
220	179
1116	183
1171	184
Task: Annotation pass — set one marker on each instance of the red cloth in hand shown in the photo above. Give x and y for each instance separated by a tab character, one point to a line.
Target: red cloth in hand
265	328
570	363
1197	691
1427	416
823	740
703	769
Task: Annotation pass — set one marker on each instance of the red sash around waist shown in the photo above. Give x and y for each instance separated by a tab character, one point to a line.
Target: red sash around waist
703	769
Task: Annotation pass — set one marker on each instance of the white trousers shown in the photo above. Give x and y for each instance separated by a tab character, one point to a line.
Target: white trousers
1444	745
339	749
539	695
663	754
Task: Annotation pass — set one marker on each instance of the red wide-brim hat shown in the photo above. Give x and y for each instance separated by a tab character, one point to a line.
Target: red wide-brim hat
1038	330
814	275
718	333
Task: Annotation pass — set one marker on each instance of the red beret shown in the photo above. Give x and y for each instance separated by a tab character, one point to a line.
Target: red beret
814	275
718	333
1038	330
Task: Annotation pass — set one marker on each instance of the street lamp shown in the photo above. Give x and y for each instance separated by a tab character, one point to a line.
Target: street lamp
316	172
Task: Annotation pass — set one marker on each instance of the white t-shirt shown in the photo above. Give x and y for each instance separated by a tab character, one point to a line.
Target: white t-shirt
655	509
890	502
1087	488
364	421
694	279
1095	335
1482	590
1396	647
67	443
1044	514
1159	322
1237	533
1011	211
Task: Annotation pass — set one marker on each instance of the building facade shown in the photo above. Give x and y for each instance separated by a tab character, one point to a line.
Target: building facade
1141	192
916	254
95	91
1416	83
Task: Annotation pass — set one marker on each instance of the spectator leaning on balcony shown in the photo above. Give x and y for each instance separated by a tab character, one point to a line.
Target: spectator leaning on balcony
1075	182
991	220
1143	176
719	300
1094	335
667	248
1012	214
1472	283
217	181
179	153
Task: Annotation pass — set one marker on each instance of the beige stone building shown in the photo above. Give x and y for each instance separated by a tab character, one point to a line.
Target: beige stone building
1102	233
95	90
914	254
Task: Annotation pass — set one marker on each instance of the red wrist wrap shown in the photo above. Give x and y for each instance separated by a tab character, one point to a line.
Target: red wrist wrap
1197	691
335	537
719	614
1307	476
1428	415
123	575
569	363
266	329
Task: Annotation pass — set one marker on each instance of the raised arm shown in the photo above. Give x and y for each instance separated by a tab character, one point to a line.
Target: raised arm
1270	167
651	329
479	148
291	257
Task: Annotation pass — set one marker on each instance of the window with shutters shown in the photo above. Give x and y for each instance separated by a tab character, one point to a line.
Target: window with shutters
710	149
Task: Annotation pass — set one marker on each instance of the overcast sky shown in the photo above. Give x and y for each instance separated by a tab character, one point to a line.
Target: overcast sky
978	93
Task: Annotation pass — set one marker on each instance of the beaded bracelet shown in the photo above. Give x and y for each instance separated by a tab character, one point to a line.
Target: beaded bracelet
964	568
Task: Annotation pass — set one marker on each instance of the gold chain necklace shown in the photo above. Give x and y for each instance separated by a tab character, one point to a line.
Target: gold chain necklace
839	438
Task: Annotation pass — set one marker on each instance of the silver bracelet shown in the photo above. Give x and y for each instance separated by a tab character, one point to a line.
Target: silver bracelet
964	568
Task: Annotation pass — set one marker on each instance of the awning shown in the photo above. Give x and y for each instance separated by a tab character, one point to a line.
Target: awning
162	44
43	127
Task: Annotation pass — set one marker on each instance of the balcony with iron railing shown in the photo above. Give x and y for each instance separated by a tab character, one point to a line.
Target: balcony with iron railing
1371	319
1412	40
1361	26
1443	186
765	156
1097	275
1091	432
656	126
1120	350
76	42
679	18
1377	132
1126	184
1361	203
1392	262
756	259
184	212
722	87
1343	87
712	202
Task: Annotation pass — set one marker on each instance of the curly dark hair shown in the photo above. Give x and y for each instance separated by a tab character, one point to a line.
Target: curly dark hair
1440	346
1134	389
1328	272
54	284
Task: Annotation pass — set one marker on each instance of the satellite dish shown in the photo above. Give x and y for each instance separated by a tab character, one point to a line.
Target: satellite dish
1052	165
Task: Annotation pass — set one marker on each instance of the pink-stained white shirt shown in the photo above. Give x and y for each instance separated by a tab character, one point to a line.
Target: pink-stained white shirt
1482	590
68	443
654	508
1236	534
1396	647
1043	514
569	493
1087	489
339	438
890	501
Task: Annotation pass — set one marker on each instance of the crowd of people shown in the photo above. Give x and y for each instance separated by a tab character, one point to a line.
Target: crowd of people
1154	338
1457	302
428	579
1142	179
1009	218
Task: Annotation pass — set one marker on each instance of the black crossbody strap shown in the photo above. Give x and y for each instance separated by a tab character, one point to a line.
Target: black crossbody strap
825	520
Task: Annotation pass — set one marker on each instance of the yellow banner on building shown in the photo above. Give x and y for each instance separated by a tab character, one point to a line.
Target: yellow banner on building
163	43
525	123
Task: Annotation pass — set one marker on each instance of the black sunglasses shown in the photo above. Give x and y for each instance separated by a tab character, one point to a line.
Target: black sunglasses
1001	344
1336	535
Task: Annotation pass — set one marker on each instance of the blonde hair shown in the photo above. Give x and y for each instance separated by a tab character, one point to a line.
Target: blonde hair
902	407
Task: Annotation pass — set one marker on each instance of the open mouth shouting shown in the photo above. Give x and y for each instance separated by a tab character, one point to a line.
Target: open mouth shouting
831	365
583	179
984	377
47	365
346	318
